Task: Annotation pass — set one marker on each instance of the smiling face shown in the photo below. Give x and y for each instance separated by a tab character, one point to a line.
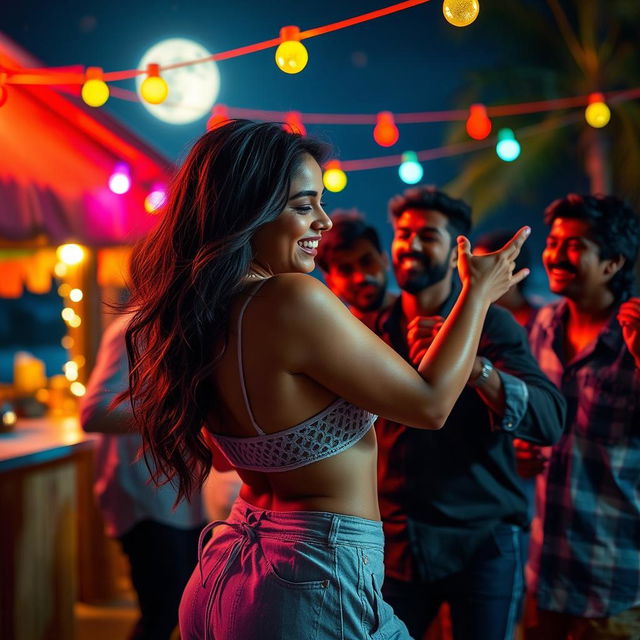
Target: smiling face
358	275
288	244
421	250
572	260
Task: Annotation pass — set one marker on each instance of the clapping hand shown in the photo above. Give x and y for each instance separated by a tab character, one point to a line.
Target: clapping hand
629	319
420	334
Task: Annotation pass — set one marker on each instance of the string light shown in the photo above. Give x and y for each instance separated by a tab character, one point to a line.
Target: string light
508	148
120	179
293	123
95	91
450	115
291	54
70	369
69	254
154	88
597	113
478	124
78	389
51	77
334	178
219	115
460	13
75	295
155	199
60	269
9	417
64	290
410	171
385	132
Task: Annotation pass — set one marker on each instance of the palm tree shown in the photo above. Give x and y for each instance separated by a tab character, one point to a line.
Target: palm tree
557	49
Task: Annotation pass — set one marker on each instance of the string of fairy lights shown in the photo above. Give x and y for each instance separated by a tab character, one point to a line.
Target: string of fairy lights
291	57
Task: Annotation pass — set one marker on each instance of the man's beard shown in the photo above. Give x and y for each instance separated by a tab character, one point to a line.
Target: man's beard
415	281
374	303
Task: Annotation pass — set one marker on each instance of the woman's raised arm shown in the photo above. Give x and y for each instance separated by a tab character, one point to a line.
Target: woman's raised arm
327	344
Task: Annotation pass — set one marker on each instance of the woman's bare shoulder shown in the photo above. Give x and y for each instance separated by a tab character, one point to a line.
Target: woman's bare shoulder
300	290
298	303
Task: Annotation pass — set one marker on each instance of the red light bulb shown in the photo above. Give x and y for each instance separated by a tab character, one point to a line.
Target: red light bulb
293	123
478	123
385	132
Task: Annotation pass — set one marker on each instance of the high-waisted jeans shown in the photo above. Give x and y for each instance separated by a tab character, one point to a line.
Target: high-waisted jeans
297	575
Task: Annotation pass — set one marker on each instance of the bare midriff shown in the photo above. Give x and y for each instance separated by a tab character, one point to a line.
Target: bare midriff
344	483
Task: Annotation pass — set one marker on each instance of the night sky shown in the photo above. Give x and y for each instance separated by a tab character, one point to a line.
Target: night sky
410	61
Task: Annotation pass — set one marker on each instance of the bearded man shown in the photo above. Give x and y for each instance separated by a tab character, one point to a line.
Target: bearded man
451	501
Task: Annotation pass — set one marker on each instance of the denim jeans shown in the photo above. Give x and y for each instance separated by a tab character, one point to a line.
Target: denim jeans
484	598
272	575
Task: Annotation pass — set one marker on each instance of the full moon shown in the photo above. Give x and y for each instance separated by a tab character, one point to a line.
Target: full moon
192	90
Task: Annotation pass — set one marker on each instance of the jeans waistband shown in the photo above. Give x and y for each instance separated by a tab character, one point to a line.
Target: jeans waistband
316	526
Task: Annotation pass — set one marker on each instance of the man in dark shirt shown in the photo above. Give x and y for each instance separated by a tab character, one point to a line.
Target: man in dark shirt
450	500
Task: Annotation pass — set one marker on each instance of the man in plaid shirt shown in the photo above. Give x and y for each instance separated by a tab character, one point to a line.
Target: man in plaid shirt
588	563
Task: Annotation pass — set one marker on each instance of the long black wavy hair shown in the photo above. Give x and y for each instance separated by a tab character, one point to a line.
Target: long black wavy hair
185	275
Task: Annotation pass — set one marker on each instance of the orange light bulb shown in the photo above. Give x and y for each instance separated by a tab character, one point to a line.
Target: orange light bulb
385	133
219	115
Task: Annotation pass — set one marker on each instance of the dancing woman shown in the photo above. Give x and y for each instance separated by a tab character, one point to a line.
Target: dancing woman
234	347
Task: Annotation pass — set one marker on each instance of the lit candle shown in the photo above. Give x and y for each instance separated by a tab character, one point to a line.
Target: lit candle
28	373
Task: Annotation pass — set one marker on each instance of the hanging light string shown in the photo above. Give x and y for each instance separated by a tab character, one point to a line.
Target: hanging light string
457	149
56	77
421	117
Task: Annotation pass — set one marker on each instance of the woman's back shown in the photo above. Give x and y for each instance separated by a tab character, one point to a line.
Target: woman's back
279	399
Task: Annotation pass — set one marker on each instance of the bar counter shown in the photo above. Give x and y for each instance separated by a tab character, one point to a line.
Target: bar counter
40	440
46	506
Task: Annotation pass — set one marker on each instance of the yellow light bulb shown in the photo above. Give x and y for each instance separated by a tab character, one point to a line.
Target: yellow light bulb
95	91
334	178
460	13
291	54
75	295
154	89
597	114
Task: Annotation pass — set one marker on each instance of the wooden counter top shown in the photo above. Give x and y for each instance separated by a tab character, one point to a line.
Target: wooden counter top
39	440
